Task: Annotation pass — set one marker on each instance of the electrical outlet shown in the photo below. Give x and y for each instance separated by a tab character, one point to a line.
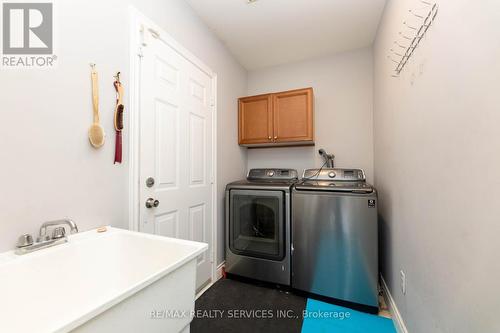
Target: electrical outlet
403	282
421	68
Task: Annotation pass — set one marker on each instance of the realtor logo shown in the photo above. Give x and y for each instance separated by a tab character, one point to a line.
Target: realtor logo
27	30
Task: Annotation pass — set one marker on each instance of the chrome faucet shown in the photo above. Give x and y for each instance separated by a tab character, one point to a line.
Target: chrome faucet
43	229
25	242
328	158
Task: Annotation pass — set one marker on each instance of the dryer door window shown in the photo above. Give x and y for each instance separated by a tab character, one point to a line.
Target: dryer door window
257	224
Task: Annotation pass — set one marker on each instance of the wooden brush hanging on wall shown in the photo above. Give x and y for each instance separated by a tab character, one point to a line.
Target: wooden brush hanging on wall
96	132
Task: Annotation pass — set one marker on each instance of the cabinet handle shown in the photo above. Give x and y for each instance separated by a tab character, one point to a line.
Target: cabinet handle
276	137
269	138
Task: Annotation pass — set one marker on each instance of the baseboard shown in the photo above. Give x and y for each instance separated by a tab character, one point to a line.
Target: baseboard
219	273
396	315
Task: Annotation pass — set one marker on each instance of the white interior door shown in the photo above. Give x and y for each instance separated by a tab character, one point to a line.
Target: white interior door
176	149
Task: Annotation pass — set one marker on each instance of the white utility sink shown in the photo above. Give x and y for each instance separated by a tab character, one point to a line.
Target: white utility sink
115	281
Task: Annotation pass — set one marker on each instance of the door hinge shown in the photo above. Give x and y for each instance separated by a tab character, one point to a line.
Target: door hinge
142	36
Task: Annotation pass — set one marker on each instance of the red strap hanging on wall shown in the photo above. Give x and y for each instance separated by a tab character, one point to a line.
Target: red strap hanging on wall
118	118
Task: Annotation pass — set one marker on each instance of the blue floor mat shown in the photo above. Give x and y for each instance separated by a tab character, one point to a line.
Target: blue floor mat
328	318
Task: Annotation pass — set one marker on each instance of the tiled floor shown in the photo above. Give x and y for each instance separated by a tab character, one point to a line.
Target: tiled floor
234	306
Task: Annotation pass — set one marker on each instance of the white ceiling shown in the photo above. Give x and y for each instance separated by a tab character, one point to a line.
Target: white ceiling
271	32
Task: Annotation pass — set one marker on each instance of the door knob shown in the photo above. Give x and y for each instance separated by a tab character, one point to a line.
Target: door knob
150	203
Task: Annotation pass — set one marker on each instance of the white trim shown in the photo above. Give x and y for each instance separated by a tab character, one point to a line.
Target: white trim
133	120
218	275
139	23
396	315
202	291
215	221
220	270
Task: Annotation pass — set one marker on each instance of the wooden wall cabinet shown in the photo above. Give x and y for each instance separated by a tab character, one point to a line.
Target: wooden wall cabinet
277	119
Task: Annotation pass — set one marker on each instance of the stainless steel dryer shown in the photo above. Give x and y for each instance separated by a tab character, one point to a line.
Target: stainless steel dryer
258	213
334	236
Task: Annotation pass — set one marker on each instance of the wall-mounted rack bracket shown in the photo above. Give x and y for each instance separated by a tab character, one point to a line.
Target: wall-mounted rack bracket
407	51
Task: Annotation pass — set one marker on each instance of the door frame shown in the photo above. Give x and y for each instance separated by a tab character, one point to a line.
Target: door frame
142	30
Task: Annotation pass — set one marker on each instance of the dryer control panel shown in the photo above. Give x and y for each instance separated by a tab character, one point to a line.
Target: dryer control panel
278	174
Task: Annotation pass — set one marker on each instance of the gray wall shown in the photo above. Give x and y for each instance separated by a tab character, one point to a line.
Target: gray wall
437	156
48	168
343	87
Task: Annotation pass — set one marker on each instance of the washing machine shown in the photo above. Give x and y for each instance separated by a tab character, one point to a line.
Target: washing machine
335	236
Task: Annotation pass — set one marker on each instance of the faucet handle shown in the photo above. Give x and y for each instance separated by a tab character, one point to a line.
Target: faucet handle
24	240
58	232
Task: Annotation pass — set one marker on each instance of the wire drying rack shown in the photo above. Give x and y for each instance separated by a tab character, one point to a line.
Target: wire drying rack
410	37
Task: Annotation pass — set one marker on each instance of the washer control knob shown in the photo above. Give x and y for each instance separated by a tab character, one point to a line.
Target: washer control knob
270	173
331	174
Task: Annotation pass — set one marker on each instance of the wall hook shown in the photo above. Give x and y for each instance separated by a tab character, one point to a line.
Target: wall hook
401	46
419	16
398	54
390	58
409	26
404	36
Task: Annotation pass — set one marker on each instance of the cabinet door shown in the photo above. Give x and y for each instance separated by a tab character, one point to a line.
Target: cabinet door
255	119
293	116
